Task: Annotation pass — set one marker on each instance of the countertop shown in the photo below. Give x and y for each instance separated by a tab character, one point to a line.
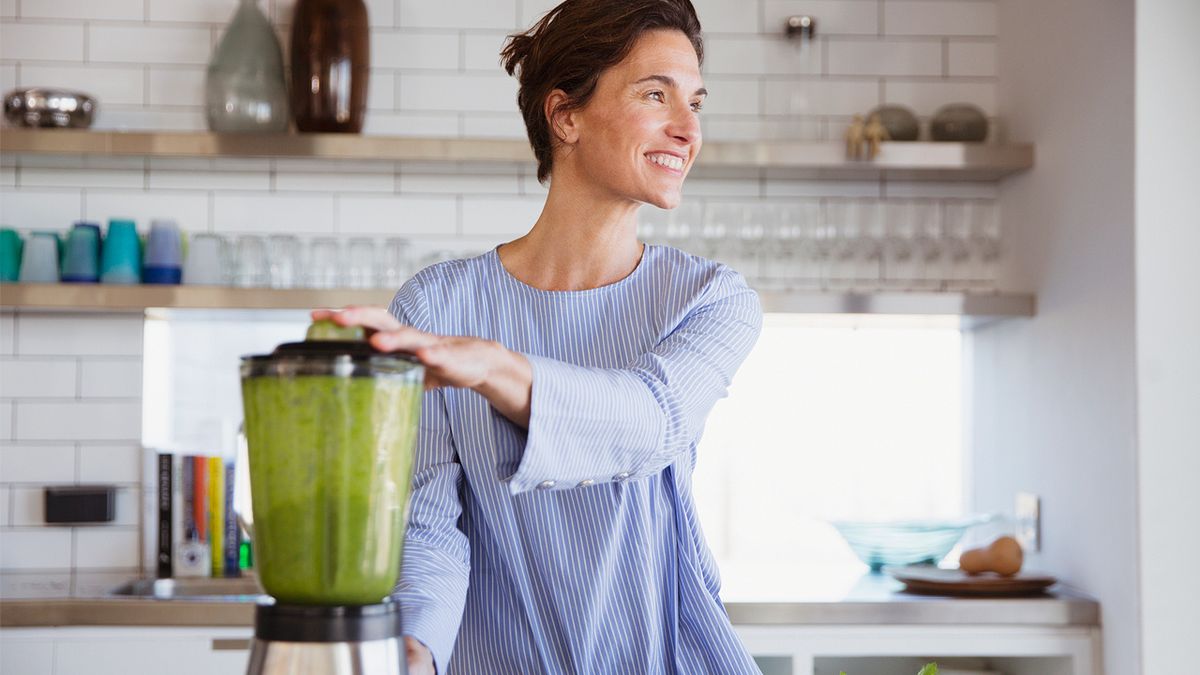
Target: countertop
752	596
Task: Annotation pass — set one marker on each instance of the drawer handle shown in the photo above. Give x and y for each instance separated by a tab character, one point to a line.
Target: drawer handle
230	644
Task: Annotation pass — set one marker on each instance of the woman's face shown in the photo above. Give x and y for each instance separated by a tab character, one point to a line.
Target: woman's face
640	133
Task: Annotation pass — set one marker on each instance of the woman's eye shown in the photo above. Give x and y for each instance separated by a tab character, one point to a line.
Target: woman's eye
697	106
658	94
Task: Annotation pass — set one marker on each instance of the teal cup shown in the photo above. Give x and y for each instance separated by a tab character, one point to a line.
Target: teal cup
81	263
10	254
121	255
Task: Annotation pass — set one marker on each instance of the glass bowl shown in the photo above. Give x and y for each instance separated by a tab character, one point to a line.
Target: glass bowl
904	542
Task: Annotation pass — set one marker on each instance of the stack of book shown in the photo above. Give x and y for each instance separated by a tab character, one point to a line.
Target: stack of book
198	531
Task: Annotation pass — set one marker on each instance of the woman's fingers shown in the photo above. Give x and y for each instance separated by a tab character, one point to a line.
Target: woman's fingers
403	339
377	318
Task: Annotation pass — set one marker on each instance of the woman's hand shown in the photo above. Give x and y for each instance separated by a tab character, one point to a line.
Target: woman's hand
503	377
420	659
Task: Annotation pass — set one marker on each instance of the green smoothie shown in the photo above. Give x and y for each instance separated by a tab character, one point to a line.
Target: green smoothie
330	472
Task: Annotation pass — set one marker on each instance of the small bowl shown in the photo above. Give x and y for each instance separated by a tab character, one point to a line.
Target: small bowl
904	542
45	107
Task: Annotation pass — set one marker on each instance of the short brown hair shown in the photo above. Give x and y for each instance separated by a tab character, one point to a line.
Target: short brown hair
572	45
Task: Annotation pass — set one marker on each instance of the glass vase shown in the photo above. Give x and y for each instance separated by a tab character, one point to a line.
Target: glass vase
245	87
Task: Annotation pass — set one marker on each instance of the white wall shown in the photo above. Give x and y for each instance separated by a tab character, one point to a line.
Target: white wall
1054	397
1168	331
435	72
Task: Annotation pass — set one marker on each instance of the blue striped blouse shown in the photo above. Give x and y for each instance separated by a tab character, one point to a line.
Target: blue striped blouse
574	547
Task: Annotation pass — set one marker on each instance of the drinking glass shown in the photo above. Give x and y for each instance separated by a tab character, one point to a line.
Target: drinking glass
10	254
983	238
747	249
82	261
323	263
39	261
360	263
283	260
250	264
872	233
683	226
121	253
164	254
720	220
207	261
927	245
956	245
393	263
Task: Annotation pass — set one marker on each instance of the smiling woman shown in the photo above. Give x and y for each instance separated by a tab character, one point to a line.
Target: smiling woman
570	373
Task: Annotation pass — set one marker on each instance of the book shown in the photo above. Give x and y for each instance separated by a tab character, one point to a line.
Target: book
216	515
165	560
192	558
232	543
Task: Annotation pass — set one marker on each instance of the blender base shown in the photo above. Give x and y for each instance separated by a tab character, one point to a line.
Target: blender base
376	657
327	640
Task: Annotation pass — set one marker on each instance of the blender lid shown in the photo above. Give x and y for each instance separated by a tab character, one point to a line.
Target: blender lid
325	348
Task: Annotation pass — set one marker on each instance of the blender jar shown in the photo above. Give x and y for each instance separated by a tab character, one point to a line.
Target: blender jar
331	430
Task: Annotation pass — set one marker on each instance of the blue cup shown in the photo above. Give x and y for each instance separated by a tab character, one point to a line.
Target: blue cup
121	256
10	254
39	261
164	254
81	263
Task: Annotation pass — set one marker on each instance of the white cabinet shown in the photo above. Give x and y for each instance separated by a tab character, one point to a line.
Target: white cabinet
133	650
901	650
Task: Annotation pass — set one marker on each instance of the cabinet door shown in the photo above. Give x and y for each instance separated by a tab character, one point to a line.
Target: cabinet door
151	651
26	655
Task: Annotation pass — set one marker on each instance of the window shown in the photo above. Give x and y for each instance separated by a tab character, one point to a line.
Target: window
831	417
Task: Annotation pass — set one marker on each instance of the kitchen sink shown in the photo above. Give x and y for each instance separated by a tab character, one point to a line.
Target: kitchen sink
199	588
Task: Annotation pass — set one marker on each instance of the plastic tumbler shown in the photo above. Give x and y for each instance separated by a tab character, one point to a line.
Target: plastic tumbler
10	254
121	254
164	254
206	261
39	264
81	264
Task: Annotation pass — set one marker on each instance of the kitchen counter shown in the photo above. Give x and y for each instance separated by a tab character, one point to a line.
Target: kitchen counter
752	598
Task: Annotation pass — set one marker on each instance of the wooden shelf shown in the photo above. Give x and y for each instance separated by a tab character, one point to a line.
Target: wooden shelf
974	308
783	159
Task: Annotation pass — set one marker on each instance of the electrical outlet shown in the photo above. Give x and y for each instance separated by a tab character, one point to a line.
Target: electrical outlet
1029	522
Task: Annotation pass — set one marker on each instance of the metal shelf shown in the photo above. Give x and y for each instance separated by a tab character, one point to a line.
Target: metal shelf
783	159
973	308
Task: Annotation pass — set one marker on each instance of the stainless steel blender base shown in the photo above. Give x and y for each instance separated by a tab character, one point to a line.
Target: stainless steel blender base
373	657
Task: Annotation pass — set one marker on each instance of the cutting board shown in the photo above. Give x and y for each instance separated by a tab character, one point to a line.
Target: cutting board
937	581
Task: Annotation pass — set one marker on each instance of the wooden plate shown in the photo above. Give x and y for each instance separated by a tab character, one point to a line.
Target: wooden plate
937	581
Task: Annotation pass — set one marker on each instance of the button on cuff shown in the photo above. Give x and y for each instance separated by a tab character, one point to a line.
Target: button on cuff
624	475
586	482
545	485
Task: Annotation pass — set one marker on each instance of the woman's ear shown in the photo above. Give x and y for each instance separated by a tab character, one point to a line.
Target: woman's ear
563	126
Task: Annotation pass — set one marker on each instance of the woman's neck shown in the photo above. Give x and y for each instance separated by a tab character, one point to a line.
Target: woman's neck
581	240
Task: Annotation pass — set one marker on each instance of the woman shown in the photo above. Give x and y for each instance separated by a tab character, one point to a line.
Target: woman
552	527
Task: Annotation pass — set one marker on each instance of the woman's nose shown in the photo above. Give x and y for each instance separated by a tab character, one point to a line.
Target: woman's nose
685	124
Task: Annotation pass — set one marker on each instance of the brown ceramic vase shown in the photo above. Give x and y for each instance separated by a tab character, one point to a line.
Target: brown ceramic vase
331	62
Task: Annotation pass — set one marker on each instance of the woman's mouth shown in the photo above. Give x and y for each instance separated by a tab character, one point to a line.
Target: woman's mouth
669	163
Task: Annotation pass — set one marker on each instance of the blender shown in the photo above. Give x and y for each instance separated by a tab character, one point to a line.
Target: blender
330	426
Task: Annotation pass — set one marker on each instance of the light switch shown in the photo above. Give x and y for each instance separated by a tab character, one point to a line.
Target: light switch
1029	523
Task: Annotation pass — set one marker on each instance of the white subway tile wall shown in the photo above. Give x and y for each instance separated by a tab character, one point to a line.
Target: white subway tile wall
70	397
70	407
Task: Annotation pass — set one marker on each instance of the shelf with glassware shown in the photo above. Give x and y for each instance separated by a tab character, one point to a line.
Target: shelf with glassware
814	257
825	160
